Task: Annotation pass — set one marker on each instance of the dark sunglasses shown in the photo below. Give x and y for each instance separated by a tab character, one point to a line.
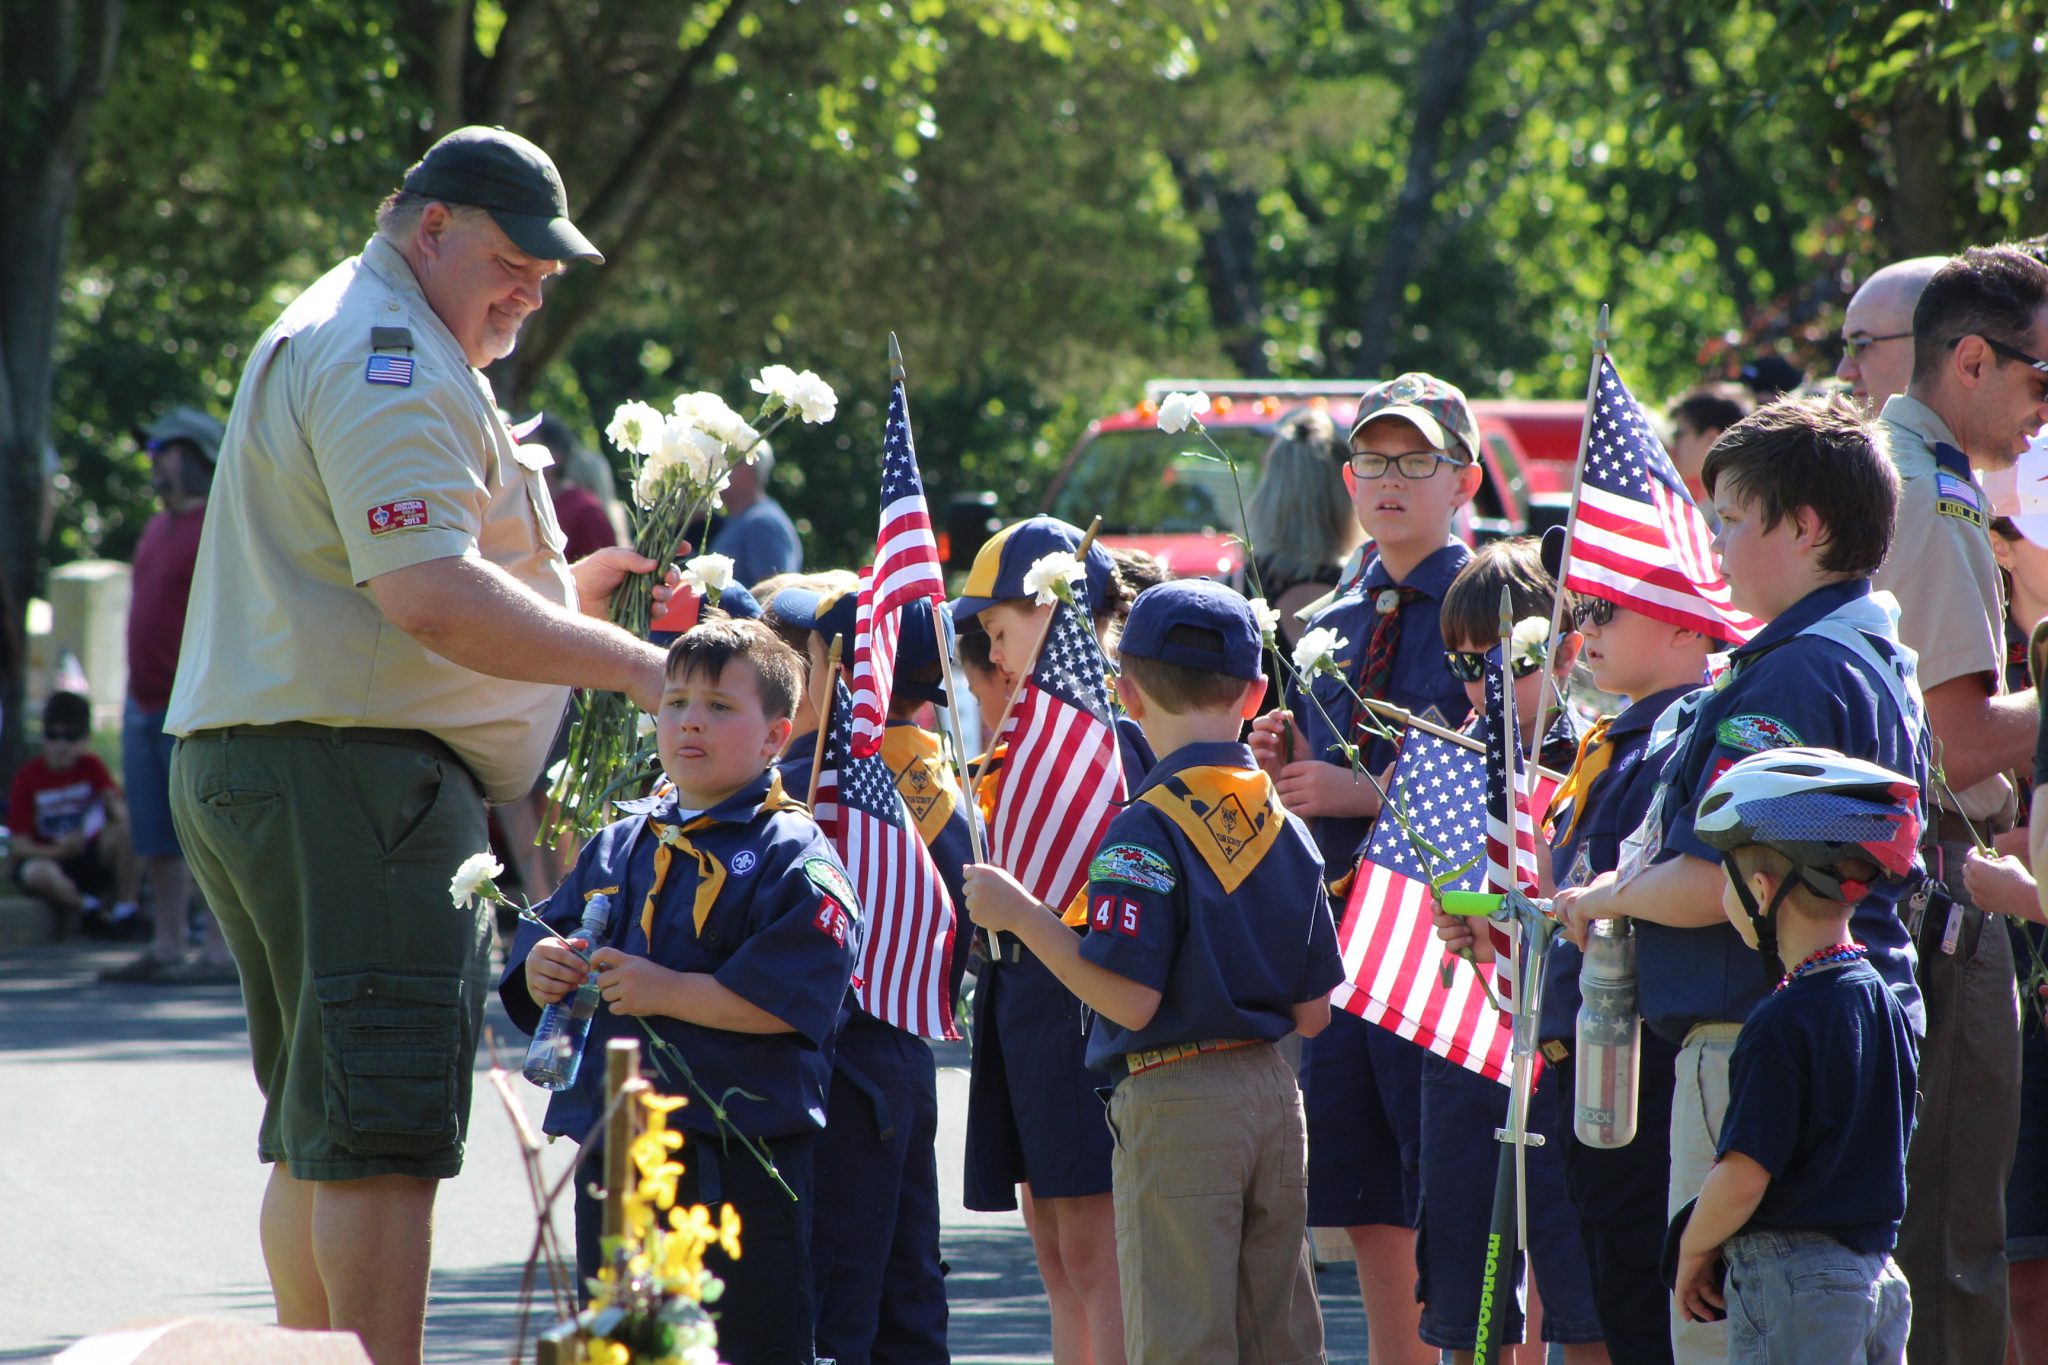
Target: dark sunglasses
2015	353
1594	611
1470	666
64	736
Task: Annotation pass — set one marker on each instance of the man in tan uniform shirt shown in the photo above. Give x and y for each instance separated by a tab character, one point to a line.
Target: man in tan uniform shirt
382	633
1974	399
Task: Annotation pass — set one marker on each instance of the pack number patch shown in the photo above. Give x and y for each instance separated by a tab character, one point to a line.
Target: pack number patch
402	515
1113	915
831	920
1132	863
1755	733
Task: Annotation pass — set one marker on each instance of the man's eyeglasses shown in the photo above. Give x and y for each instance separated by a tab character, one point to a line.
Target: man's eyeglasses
2015	353
1470	666
1594	611
64	736
1855	346
1413	464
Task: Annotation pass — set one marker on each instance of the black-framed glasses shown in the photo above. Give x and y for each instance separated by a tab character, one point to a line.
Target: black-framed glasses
1470	665
1855	346
1594	611
2015	353
1413	464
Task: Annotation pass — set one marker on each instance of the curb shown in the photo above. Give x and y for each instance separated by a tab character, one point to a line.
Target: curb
25	922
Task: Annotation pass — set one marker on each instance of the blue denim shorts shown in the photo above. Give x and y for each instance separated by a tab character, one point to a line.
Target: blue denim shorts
1802	1298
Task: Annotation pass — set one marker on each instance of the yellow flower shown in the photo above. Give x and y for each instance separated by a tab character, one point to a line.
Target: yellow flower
661	1104
729	1231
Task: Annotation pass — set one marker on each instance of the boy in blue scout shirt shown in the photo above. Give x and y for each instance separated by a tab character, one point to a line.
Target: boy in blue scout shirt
1461	1109
1802	1209
875	1262
735	933
1033	1116
1414	461
1807	501
1210	938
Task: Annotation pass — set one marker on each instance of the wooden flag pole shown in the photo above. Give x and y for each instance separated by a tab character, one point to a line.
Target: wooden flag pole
826	691
1442	732
1571	528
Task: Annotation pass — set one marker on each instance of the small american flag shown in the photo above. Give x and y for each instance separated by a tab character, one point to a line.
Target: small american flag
1393	960
1510	844
907	955
389	369
1639	540
1062	780
906	568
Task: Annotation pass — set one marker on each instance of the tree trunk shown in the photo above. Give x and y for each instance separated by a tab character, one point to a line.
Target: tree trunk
55	57
1228	221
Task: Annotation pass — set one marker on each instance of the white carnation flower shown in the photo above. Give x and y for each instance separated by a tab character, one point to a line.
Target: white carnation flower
634	426
476	878
1316	651
1530	635
1051	578
810	397
1268	617
1176	410
709	575
712	414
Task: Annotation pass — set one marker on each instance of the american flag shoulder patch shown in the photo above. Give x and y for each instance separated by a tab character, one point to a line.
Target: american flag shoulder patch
389	369
1954	497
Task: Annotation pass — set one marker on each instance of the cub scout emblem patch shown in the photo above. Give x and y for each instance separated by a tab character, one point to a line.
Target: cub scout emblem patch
919	792
1230	816
1754	733
1954	497
1113	915
831	920
1230	825
1134	864
826	876
389	369
398	516
743	862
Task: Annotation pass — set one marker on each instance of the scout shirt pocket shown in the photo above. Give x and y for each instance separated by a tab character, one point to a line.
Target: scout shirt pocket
532	460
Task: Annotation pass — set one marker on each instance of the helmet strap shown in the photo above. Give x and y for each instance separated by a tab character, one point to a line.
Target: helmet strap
1763	921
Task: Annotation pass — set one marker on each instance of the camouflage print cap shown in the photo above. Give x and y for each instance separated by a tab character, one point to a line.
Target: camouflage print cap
1435	408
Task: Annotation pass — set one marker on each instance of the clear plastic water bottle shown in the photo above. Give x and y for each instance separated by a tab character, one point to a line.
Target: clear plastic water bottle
556	1053
1606	1063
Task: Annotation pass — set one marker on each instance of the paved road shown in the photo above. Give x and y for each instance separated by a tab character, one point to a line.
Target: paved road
130	1186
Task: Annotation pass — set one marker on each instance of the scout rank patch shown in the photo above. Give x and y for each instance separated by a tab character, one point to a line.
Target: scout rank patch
1132	863
826	876
402	515
1754	733
1954	497
834	916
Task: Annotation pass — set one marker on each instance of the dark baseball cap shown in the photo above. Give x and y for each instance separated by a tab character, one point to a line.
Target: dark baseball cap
510	179
997	574
836	613
184	424
1222	634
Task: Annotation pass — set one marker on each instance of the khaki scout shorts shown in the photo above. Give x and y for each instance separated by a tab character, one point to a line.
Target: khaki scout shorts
326	859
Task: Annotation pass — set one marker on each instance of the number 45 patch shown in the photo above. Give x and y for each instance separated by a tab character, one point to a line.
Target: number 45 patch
831	920
1114	915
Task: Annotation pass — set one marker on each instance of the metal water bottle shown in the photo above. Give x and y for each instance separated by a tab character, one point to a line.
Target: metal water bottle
556	1053
1607	1061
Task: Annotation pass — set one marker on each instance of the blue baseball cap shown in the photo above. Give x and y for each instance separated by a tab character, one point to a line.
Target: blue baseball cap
1205	608
737	602
835	613
999	567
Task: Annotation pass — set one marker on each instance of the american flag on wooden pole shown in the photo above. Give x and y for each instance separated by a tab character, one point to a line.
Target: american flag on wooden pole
906	568
1062	779
1393	961
906	956
1635	537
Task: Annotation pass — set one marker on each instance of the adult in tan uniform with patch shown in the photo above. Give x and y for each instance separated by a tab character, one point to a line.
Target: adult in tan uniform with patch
381	635
1976	395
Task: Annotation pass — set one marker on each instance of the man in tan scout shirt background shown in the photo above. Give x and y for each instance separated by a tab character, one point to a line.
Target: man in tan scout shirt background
381	634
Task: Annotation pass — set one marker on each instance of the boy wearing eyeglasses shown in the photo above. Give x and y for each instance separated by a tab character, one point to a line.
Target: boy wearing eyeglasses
1413	462
69	825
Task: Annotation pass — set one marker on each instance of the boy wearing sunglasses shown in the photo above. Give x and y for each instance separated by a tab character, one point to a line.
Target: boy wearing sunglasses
70	825
1413	462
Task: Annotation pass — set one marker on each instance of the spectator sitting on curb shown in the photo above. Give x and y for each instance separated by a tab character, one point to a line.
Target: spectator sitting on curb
70	824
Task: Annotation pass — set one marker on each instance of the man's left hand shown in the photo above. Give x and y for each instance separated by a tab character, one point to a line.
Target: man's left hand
599	573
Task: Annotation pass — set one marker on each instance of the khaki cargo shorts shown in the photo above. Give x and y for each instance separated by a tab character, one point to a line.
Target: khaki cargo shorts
326	858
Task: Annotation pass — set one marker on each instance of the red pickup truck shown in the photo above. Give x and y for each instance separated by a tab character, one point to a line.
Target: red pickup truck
1152	495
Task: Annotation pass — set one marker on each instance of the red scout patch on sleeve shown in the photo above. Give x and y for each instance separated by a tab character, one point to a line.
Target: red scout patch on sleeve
1127	918
1102	914
831	920
398	516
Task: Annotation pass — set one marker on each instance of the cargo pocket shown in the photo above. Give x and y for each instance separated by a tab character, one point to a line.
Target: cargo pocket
391	1047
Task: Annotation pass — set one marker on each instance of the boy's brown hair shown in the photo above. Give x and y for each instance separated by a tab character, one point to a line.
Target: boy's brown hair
1471	609
1808	903
1822	454
1178	689
709	647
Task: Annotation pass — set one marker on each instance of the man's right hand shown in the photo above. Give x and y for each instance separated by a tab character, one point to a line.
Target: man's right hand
552	971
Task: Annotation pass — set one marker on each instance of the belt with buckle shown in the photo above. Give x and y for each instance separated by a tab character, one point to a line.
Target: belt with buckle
1135	1062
